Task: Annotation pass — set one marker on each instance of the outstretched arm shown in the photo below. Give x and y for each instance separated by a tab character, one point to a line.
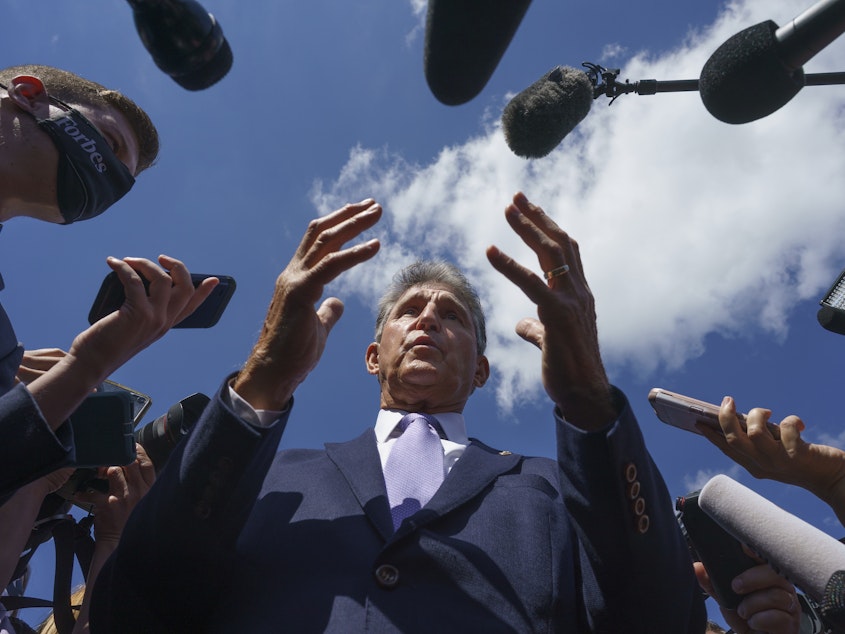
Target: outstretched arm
790	459
633	557
294	334
60	382
200	502
565	328
113	340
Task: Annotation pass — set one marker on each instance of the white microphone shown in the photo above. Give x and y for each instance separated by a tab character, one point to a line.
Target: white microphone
811	559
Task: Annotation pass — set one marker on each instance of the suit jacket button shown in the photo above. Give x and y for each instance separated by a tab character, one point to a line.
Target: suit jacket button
630	472
639	506
643	523
387	576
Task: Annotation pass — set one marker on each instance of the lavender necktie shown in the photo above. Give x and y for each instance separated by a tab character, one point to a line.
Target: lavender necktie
414	469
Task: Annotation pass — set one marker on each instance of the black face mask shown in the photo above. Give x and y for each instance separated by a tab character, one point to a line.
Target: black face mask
90	177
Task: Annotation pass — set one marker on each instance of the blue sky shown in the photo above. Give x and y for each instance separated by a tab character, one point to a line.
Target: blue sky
706	245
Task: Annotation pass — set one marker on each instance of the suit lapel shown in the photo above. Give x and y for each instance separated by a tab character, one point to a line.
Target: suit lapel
358	460
477	468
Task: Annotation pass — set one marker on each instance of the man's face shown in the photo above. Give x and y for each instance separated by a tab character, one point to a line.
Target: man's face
40	197
91	176
115	129
428	354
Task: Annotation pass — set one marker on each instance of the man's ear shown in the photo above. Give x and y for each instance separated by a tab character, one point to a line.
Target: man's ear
372	358
28	93
482	371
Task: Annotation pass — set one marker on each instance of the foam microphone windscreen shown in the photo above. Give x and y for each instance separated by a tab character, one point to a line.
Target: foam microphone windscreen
805	555
464	41
745	79
537	119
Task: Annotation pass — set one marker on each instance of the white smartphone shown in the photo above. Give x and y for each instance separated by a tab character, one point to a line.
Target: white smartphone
685	412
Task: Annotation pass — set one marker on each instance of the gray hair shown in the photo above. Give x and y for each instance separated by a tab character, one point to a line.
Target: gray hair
439	272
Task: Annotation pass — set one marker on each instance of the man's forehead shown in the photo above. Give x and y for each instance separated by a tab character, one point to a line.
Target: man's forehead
432	290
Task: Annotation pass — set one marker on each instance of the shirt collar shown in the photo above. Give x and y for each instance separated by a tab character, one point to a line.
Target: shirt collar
452	423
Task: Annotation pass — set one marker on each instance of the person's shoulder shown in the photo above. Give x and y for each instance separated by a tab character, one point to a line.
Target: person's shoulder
539	465
298	455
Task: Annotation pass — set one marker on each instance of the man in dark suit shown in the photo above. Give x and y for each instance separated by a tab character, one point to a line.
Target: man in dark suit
233	538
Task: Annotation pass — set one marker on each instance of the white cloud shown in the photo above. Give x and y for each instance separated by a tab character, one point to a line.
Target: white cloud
418	9
687	225
837	441
694	482
613	51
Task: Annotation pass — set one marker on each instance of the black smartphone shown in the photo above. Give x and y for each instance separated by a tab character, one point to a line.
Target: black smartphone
103	433
111	297
685	412
103	430
722	555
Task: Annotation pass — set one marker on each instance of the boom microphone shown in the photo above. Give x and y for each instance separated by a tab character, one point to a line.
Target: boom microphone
809	558
464	41
758	70
537	119
185	41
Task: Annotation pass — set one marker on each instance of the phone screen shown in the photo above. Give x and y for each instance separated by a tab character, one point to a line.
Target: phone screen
102	430
140	402
111	297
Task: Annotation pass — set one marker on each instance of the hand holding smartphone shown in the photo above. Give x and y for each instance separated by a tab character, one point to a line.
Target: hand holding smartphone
103	429
685	412
112	295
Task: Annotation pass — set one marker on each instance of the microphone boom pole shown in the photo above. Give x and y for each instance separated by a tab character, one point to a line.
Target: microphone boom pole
610	87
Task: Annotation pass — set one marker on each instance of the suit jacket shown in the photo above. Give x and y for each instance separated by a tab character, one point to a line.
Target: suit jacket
28	447
233	538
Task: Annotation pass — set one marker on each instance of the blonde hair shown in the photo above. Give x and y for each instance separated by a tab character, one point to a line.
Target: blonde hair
49	624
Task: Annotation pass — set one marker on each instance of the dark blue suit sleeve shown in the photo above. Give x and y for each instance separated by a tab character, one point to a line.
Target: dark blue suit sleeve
192	515
29	449
636	570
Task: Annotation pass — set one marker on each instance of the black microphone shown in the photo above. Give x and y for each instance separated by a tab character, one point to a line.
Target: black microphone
811	559
537	119
185	41
758	70
464	41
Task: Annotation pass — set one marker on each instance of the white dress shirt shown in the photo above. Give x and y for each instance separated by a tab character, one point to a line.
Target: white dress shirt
452	423
453	426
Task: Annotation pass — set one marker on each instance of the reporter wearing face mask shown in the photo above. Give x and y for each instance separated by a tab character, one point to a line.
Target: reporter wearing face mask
69	149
